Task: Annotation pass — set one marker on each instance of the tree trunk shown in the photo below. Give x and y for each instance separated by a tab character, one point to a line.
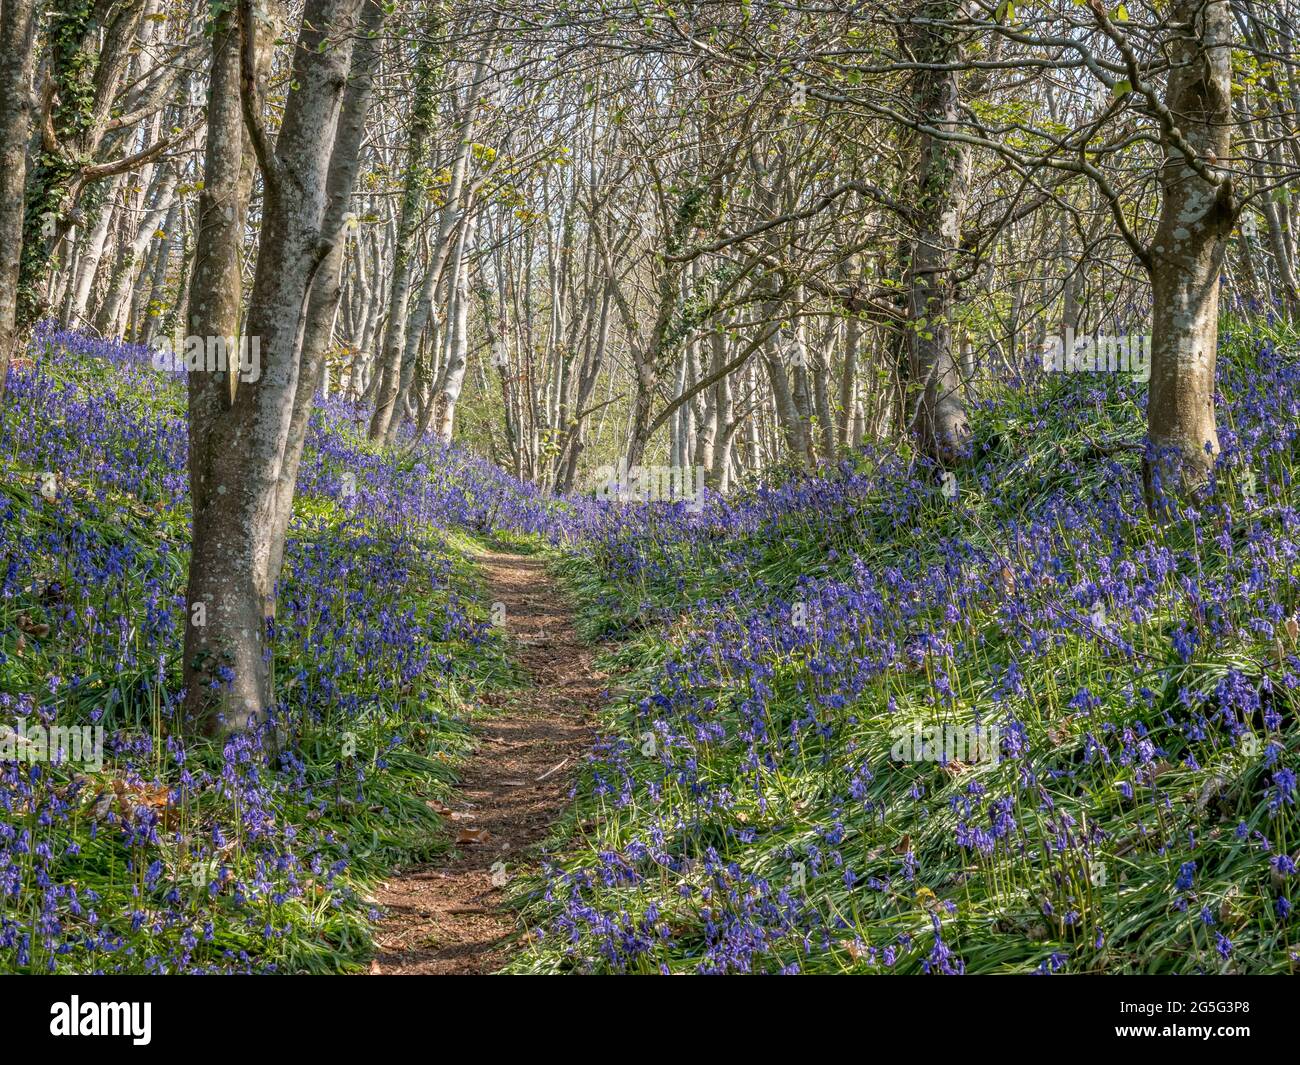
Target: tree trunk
16	56
327	289
89	258
452	378
224	630
1196	220
848	382
159	314
240	443
414	193
110	319
935	404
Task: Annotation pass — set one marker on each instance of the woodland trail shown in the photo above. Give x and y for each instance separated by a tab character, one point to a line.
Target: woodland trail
447	917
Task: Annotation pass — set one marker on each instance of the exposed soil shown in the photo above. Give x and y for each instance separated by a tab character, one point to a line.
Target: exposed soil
447	918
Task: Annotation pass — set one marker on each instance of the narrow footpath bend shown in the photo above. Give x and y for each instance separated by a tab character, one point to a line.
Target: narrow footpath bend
447	918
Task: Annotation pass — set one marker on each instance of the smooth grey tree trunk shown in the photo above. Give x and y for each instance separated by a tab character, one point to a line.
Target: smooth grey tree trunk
241	442
220	620
327	290
91	254
452	379
1197	214
414	195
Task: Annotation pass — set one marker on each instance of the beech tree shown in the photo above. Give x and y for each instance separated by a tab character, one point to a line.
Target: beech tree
241	443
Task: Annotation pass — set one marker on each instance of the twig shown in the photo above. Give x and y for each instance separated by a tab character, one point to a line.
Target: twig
551	772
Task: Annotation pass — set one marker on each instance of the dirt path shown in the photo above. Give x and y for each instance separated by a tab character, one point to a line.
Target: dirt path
447	918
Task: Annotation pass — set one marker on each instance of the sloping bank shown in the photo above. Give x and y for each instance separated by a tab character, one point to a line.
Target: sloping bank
869	725
143	849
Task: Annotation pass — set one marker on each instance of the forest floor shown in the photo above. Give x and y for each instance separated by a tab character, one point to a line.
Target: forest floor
449	917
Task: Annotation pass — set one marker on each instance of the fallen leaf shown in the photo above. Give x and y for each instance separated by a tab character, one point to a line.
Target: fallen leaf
1007	581
473	835
101	805
38	629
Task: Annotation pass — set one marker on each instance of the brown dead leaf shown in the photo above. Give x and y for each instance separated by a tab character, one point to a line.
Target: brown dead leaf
133	798
101	805
1007	581
33	628
473	835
